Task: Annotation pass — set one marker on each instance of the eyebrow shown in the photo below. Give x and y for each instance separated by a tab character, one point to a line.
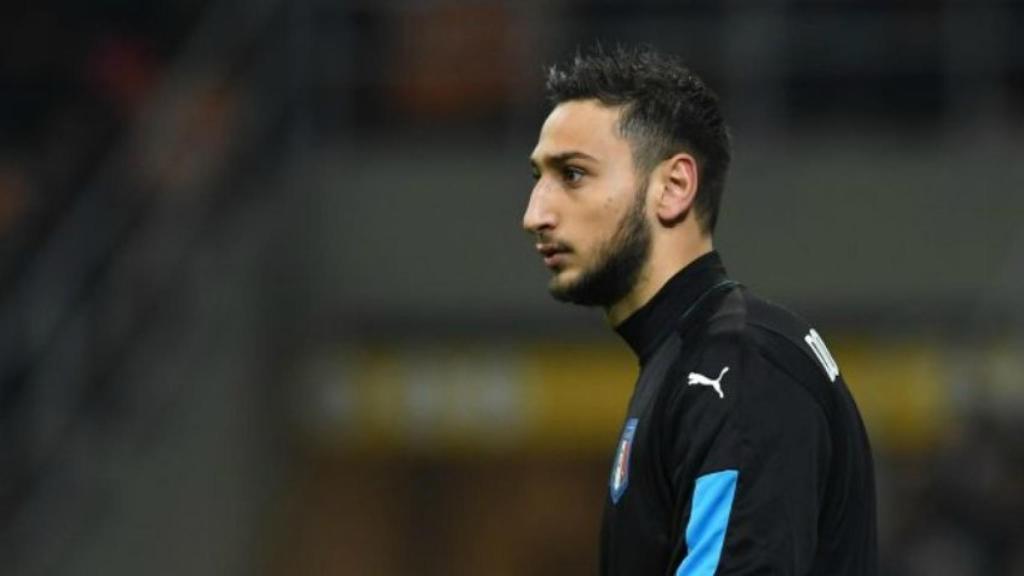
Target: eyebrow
561	158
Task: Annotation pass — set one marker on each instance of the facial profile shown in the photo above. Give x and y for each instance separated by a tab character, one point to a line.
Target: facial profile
617	264
587	210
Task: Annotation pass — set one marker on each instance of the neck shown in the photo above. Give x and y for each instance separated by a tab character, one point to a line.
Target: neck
665	261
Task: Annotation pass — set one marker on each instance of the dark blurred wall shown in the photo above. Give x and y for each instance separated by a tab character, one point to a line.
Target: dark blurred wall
851	226
268	308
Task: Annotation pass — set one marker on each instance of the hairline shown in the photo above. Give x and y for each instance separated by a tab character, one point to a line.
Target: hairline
644	146
650	148
647	149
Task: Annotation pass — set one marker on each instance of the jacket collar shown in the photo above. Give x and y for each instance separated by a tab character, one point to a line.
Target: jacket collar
646	328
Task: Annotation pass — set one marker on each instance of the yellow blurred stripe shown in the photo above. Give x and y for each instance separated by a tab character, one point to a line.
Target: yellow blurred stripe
572	397
899	387
576	395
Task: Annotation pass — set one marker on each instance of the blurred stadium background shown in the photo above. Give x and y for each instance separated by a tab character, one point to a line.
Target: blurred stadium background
266	307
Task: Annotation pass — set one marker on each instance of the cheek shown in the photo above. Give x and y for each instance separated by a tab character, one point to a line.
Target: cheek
596	231
608	204
597	218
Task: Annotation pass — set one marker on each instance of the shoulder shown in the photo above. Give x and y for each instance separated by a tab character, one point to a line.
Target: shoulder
740	378
763	347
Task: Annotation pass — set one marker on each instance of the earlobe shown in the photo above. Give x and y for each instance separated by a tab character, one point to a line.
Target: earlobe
678	188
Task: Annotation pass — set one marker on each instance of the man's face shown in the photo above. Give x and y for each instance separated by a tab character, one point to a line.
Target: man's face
587	208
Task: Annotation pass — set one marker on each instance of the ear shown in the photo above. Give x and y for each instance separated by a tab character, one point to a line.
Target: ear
677	187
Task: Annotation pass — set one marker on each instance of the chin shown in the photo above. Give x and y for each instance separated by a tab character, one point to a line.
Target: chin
563	286
562	280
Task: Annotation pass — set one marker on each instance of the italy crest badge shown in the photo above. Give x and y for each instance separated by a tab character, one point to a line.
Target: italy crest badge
620	469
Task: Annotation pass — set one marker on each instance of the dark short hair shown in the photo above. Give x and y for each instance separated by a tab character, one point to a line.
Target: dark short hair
667	109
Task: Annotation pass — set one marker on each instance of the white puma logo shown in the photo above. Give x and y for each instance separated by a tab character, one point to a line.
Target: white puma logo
703	380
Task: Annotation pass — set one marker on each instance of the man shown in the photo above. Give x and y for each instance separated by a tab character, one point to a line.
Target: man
742	451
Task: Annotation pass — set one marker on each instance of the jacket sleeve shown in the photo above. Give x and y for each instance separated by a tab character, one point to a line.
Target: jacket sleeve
747	452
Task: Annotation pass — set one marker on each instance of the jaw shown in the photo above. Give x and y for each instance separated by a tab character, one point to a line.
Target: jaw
562	279
666	259
633	300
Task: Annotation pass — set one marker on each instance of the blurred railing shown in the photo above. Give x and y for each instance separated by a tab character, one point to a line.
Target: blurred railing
110	274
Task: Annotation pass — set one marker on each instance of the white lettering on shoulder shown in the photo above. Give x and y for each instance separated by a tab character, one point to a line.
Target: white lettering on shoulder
817	345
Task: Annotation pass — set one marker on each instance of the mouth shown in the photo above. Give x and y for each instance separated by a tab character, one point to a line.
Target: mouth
554	254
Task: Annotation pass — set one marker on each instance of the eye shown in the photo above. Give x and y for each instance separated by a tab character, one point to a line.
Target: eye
573	174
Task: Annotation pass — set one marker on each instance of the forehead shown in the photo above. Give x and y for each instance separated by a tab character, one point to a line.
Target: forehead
585	126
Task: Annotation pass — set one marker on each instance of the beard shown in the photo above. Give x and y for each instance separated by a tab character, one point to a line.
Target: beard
619	261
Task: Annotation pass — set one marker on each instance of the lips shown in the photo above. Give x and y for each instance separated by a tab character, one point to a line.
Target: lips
554	254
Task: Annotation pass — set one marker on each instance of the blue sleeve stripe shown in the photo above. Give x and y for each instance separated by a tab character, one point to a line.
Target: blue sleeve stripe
709	517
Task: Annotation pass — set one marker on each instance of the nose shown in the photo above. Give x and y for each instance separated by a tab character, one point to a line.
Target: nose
539	215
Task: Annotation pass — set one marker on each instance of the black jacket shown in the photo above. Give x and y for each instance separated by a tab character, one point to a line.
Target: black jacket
743	451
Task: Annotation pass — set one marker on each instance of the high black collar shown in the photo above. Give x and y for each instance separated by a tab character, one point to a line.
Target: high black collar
646	328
